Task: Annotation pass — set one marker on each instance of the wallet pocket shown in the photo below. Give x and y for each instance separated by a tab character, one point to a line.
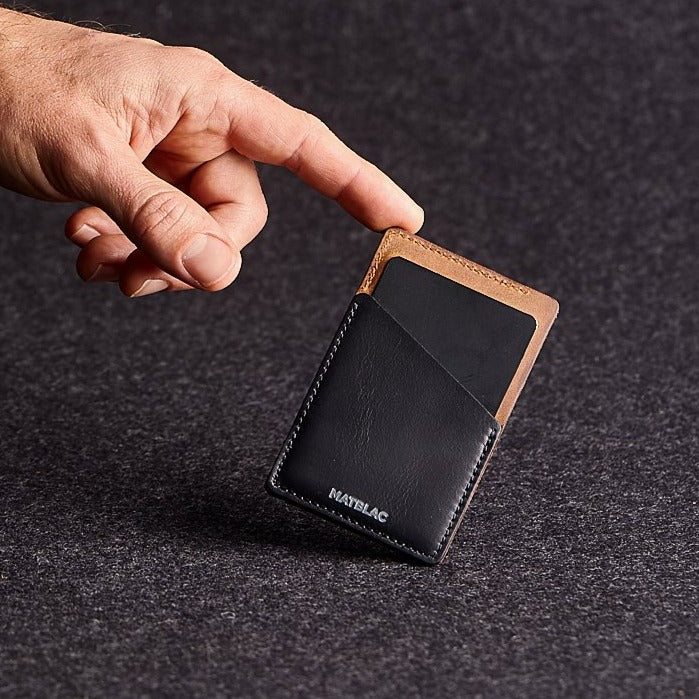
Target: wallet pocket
387	441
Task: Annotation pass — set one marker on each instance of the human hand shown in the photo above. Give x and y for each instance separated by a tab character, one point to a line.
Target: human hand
161	142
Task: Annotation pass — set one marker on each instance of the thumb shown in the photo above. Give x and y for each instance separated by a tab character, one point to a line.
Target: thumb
173	230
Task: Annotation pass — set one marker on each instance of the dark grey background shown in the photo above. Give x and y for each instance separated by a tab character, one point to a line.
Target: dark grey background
556	142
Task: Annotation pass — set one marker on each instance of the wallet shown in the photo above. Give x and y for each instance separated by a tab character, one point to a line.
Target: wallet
401	419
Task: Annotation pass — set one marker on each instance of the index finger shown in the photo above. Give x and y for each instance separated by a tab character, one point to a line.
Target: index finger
265	128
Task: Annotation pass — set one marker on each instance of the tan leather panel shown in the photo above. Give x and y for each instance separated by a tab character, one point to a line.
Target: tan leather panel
398	243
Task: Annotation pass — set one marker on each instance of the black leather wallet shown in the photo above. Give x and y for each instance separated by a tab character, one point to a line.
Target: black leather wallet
399	423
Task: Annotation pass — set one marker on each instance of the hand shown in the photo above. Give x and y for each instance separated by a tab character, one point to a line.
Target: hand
161	141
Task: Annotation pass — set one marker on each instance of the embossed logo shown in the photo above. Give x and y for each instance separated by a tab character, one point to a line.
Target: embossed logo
358	505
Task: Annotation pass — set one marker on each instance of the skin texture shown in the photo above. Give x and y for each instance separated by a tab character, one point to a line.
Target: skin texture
161	142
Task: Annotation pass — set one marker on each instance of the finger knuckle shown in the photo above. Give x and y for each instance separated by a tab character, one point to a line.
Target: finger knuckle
310	129
260	216
158	215
197	59
315	126
149	41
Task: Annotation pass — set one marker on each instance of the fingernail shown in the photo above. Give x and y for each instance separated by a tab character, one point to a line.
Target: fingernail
84	234
150	286
104	273
208	259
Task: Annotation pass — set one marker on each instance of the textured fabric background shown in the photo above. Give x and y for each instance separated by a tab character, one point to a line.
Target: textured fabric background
556	142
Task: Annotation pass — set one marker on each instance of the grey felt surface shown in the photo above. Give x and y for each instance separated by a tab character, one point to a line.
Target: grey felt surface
556	142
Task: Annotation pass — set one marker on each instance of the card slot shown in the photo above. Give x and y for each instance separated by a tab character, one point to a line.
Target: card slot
478	339
419	282
427	351
386	442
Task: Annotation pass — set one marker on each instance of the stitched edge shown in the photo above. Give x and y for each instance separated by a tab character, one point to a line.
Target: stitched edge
297	428
479	465
454	258
375	264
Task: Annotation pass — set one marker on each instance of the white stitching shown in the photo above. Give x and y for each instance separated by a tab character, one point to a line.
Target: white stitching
469	485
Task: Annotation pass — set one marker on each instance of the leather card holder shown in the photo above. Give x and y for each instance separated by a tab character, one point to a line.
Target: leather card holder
365	449
405	410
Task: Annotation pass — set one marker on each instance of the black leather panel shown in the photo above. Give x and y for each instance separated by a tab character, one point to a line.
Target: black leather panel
387	441
478	339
